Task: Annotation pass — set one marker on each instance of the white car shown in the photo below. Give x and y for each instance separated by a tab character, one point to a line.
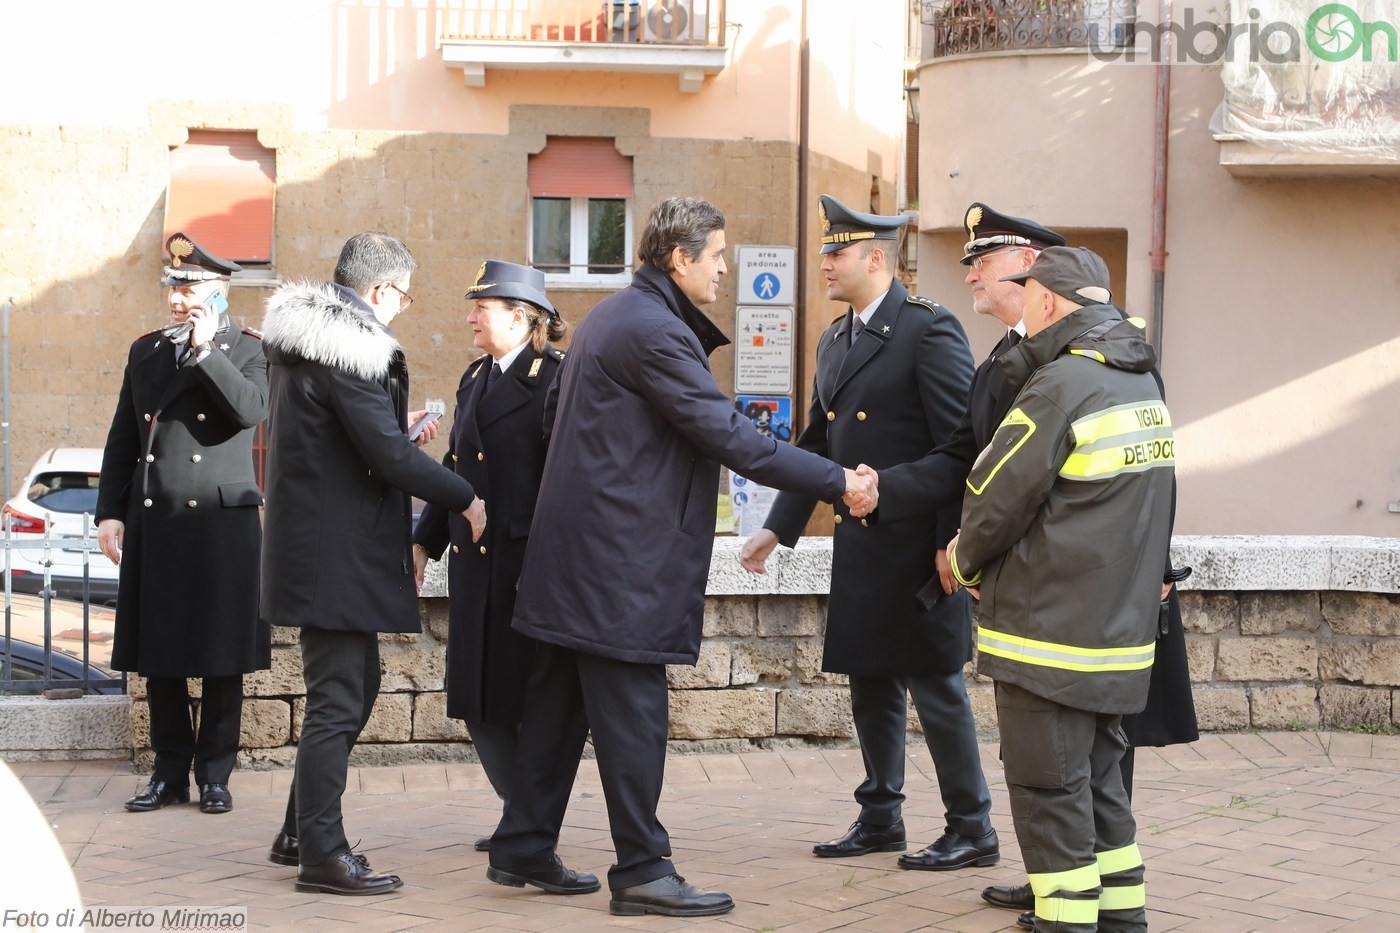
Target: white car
59	491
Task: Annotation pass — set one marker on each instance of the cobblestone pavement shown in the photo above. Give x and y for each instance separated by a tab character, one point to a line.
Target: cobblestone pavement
1272	831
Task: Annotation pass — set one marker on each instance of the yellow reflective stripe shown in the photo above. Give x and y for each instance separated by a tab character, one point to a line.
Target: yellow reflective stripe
1112	861
1064	910
1015	417
1064	657
1091	354
1131	897
1122	439
957	574
1084	878
1138	322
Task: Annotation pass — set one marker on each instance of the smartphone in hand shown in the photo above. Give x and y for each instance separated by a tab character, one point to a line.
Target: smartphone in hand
421	423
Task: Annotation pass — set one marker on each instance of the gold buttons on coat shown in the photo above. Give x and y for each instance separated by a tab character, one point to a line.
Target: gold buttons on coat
480	456
483	549
831	416
192	503
199	417
860	416
148	503
150	458
456	549
148	416
454	458
838	519
864	523
196	458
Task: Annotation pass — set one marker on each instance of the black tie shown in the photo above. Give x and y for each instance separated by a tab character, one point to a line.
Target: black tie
493	375
1015	338
857	325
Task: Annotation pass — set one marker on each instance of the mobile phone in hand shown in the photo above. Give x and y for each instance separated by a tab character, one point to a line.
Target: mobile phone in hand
421	423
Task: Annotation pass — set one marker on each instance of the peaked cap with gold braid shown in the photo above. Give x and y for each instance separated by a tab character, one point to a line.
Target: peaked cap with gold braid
841	226
989	229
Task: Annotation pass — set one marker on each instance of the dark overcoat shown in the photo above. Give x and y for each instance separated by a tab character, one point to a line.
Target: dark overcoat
497	444
898	391
178	470
341	470
624	527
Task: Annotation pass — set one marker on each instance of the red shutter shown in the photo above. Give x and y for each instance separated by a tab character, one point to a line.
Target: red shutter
580	167
221	193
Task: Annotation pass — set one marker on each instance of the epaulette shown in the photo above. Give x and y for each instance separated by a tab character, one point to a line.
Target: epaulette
557	353
475	367
837	318
933	306
253	333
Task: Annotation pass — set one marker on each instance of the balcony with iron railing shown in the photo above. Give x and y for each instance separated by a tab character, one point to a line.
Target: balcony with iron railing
681	37
961	27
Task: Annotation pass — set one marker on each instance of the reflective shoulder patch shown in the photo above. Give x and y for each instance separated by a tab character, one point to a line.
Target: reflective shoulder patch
1015	429
1138	322
1091	354
1123	439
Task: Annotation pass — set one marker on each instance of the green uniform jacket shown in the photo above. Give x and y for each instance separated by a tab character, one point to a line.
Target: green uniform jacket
1067	517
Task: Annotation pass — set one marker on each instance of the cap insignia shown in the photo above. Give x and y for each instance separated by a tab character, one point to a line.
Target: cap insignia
179	249
974	217
480	274
826	223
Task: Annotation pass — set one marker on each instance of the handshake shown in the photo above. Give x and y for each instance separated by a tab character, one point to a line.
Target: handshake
862	491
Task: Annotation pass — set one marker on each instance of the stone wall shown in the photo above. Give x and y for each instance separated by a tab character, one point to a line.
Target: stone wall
1281	633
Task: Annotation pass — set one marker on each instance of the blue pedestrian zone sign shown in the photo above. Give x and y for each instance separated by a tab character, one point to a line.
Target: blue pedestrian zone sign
766	286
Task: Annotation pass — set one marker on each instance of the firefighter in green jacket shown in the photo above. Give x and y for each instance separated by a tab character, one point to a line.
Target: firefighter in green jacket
1065	529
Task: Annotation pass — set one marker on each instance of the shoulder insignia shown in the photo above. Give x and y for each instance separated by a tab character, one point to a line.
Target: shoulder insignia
556	353
475	367
837	318
929	303
253	333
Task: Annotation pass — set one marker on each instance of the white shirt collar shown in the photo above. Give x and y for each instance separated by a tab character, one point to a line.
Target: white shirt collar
870	308
508	358
1020	328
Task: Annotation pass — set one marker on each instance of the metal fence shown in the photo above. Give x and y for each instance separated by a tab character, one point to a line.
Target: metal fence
963	26
30	667
663	22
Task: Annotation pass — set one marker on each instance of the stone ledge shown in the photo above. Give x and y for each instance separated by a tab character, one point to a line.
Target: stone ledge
1221	562
87	724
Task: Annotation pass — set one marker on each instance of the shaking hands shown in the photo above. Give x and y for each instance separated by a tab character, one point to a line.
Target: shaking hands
862	491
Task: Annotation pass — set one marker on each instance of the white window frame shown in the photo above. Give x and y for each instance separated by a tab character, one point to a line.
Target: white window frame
578	274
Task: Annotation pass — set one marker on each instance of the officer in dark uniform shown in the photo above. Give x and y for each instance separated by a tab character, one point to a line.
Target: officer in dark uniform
892	381
178	510
498	445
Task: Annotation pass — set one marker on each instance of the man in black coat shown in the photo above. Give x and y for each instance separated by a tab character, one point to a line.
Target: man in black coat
613	585
891	382
178	510
341	471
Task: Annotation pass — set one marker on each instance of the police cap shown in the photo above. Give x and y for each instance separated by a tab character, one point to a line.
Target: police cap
989	229
842	226
187	262
498	279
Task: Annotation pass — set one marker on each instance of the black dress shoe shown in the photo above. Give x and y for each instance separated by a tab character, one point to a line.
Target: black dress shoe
670	896
285	850
157	794
953	851
1017	898
549	876
215	798
347	873
1027	920
863	838
483	844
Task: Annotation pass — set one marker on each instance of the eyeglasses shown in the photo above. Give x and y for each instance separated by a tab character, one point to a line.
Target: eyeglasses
405	298
979	261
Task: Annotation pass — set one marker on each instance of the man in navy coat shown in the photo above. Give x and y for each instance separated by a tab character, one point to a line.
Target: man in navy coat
613	585
892	381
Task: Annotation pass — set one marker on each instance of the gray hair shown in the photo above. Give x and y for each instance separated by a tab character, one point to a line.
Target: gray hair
367	259
683	222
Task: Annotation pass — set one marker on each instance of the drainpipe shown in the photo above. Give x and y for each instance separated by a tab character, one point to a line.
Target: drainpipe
804	153
1162	125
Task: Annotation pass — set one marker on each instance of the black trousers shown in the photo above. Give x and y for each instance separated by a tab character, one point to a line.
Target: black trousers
879	708
341	670
214	748
496	745
626	705
1072	814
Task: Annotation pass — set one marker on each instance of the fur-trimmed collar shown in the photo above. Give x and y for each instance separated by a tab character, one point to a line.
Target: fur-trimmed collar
328	324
